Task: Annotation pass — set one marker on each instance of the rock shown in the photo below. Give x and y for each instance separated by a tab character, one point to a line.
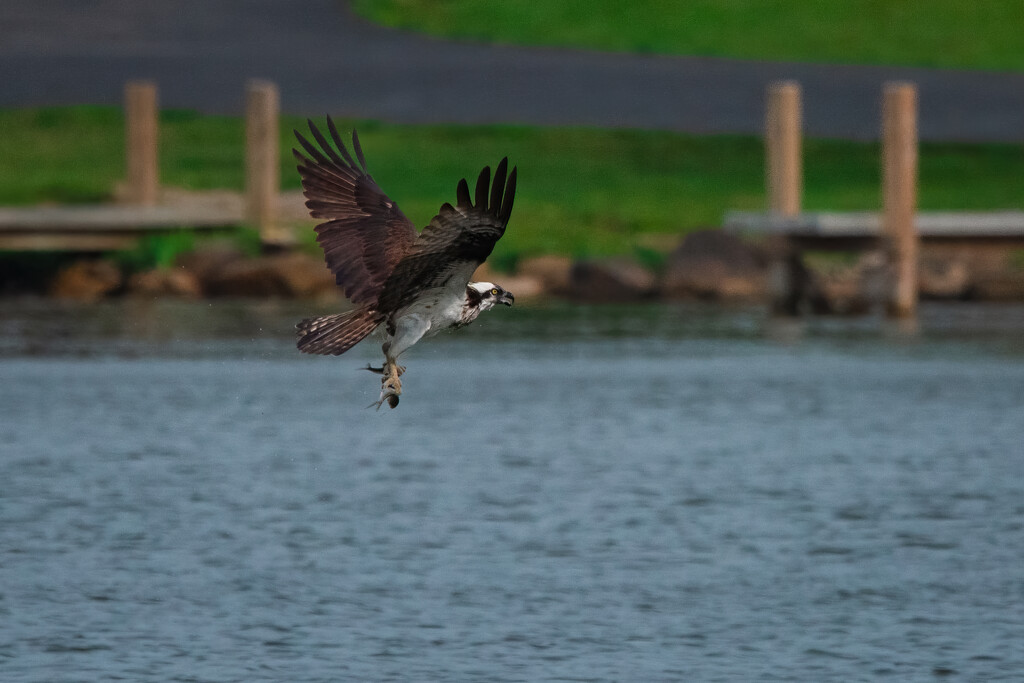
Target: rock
165	282
839	292
875	277
712	264
207	263
86	280
610	280
966	272
552	272
1005	286
522	286
250	278
288	274
942	278
307	275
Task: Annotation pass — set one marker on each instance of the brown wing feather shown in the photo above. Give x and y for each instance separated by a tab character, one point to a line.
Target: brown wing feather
365	234
458	239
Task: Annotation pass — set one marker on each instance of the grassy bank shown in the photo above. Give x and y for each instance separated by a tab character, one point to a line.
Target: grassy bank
581	191
941	33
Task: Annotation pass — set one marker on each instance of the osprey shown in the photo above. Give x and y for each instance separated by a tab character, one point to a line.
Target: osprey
405	283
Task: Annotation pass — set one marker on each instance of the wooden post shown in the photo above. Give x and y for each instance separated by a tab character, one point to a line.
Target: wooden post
784	185
783	169
262	163
141	160
899	195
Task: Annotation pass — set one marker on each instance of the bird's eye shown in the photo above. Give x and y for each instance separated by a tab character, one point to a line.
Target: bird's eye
494	292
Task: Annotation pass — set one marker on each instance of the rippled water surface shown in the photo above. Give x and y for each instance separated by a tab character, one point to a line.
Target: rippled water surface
596	494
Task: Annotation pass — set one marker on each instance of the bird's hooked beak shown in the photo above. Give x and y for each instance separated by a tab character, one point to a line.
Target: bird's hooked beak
506	298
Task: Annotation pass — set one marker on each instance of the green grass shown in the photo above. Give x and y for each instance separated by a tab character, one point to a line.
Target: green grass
582	192
942	33
76	154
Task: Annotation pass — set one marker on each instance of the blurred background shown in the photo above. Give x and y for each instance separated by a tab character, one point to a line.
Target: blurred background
757	412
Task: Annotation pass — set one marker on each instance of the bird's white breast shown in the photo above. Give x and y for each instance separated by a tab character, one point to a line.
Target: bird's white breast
442	306
439	307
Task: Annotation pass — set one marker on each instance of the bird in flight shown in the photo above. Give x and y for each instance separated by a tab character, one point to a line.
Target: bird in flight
403	283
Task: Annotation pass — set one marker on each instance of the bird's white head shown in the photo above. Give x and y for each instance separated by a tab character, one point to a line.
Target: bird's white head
487	294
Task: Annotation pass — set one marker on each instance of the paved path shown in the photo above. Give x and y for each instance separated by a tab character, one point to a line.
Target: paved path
328	61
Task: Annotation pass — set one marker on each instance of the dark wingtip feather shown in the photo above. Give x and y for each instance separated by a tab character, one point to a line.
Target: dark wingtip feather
483	184
359	150
310	125
324	145
510	195
499	185
311	149
333	130
298	155
462	194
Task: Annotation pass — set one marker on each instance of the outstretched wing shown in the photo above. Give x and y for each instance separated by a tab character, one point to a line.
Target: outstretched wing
458	239
366	234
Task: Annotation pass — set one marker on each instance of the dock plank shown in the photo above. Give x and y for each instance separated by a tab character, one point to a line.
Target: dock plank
114	218
105	227
825	226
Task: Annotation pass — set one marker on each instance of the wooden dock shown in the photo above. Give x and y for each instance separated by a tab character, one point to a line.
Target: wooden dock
833	230
105	227
896	231
150	209
788	236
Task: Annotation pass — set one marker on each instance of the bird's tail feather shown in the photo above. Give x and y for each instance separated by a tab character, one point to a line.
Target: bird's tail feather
333	335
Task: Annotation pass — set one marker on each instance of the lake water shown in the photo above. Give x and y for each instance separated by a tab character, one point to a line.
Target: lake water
657	493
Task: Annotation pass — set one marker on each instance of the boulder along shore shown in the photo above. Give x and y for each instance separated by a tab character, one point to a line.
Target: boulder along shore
709	265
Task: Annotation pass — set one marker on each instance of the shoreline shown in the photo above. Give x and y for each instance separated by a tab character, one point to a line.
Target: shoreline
707	265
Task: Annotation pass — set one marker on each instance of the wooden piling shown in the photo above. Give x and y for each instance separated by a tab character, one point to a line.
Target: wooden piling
141	159
262	163
783	169
899	195
784	186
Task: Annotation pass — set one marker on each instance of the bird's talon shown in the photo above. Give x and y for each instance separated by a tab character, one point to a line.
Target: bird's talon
390	385
400	369
388	394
